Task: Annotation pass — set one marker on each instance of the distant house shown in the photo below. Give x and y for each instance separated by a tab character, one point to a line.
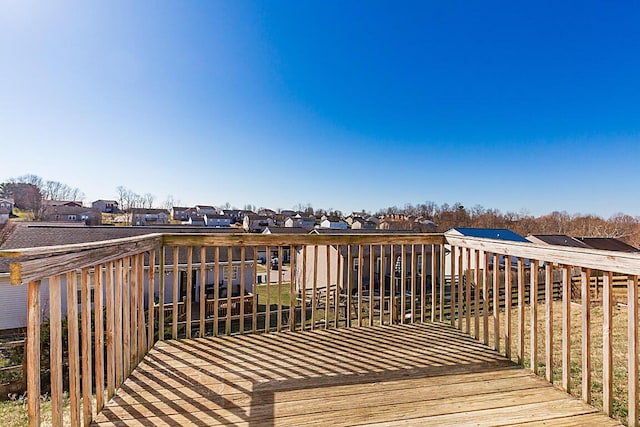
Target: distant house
256	223
608	244
307	222
72	214
485	233
556	239
55	203
179	213
13	299
106	206
203	210
140	216
236	215
266	212
386	269
7	204
333	222
359	223
217	220
195	220
4	215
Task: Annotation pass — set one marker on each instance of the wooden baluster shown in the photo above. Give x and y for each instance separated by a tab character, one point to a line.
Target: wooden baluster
33	352
126	316
86	348
453	285
496	302
110	335
243	254
151	299
142	336
279	323
327	290
349	268
566	328
467	300
508	289
119	325
99	337
360	264
216	291
607	344
521	307
383	286
188	321
161	290
633	349
55	322
336	300
533	304
292	290
403	283
227	323
485	297
372	296
175	296
434	280
133	294
74	348
476	295
203	285
442	281
254	308
461	286
548	296
267	315
586	334
314	287
392	285
413	283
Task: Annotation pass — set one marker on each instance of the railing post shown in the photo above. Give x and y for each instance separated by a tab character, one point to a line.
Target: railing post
548	295
533	305
33	353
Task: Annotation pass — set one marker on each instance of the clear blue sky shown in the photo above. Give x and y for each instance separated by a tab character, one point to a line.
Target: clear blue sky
344	105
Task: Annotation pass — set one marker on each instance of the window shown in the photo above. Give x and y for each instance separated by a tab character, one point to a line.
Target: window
72	217
378	265
234	274
356	264
419	267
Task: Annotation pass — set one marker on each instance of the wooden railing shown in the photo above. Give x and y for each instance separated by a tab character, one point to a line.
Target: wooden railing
493	317
202	285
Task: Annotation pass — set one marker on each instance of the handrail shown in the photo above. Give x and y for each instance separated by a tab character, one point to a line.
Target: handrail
380	275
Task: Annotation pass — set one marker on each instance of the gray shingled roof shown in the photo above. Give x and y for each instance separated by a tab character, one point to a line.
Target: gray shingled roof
16	235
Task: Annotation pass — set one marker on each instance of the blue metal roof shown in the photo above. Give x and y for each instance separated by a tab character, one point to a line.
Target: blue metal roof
492	233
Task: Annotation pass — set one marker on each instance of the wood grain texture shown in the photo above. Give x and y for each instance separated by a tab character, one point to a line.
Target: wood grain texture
420	374
33	353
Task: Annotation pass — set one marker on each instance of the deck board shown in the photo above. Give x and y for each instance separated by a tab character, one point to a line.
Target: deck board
421	374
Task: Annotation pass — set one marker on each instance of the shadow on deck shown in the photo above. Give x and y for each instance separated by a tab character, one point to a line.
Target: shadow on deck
420	374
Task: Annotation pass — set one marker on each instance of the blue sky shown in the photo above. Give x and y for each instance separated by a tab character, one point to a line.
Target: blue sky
348	105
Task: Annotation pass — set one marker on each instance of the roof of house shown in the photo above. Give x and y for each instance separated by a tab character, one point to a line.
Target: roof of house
558	240
142	211
16	235
106	201
489	233
70	210
608	244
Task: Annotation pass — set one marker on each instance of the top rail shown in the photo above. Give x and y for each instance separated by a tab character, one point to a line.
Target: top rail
617	262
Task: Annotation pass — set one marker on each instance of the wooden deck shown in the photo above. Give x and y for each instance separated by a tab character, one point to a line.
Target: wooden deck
420	374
